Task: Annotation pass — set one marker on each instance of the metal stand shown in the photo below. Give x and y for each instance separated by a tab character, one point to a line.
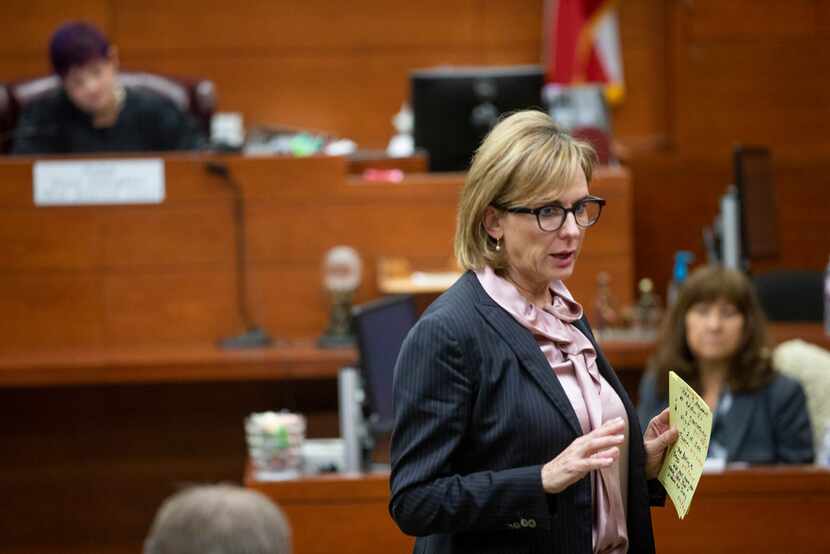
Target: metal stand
730	229
353	426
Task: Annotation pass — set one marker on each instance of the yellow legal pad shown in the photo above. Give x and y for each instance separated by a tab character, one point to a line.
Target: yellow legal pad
684	461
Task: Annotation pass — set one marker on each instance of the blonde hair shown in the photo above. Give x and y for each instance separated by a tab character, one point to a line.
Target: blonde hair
525	159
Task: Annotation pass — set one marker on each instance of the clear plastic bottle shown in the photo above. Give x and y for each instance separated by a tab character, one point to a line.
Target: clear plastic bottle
682	259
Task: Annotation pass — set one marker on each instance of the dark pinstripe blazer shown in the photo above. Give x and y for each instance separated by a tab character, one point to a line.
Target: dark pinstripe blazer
478	412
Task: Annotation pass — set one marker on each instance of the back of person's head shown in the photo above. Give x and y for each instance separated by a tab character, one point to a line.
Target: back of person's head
526	158
218	519
750	366
75	44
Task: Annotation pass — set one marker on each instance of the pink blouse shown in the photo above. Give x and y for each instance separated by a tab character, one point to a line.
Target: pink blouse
573	359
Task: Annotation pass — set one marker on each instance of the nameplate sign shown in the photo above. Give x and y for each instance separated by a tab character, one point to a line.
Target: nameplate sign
79	183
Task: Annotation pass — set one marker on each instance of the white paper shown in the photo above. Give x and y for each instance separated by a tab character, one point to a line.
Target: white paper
92	182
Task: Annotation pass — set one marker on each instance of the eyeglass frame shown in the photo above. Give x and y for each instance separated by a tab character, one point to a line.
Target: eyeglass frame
536	211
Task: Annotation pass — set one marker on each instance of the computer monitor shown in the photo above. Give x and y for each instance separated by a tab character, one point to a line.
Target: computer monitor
756	194
380	328
455	107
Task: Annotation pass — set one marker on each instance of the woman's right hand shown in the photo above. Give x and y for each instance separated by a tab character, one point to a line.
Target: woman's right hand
595	450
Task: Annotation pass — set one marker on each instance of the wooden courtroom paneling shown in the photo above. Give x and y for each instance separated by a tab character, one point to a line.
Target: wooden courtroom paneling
713	20
180	306
17	67
701	74
26	25
754	78
215	26
642	120
340	68
675	199
31	246
51	311
351	94
144	275
337	68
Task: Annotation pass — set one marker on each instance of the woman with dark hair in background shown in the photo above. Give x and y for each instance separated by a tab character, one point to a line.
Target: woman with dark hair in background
93	111
715	338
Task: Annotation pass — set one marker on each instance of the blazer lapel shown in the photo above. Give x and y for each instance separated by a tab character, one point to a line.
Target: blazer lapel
530	356
737	422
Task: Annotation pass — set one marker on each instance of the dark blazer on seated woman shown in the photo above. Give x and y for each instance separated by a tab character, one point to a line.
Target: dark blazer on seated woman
769	425
488	398
714	337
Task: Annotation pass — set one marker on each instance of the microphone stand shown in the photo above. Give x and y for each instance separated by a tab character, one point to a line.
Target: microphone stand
254	335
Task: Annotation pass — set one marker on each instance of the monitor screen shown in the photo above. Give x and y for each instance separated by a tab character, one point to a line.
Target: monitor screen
380	328
756	191
455	107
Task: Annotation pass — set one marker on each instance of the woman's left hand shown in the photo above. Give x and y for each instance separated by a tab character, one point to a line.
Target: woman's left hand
658	437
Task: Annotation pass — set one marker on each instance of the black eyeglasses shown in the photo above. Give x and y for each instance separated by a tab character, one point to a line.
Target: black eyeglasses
551	217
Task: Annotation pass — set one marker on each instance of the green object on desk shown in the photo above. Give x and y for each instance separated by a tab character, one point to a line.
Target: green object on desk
304	144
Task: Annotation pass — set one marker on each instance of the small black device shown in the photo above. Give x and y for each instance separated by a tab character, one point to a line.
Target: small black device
756	199
455	107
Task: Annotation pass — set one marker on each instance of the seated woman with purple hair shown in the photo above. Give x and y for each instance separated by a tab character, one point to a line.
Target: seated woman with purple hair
92	111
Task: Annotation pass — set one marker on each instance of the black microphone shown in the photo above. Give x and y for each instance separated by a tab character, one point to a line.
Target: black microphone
254	336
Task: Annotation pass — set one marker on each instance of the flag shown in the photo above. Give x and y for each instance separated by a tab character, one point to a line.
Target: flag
582	45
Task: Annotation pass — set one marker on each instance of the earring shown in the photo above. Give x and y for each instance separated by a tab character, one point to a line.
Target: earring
498	245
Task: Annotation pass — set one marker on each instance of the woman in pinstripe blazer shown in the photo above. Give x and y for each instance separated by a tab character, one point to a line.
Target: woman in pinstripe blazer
512	432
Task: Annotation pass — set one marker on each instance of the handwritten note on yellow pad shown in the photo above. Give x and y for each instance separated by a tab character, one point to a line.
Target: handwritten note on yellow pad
684	461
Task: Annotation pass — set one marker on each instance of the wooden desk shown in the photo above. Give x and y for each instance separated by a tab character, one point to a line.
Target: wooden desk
297	360
338	513
294	360
774	509
758	510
